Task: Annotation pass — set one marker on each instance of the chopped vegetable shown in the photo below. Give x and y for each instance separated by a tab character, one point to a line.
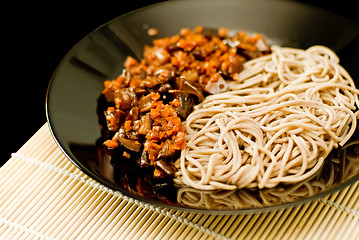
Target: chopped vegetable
151	98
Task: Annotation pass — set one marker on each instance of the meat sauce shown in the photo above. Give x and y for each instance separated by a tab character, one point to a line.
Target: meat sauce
147	103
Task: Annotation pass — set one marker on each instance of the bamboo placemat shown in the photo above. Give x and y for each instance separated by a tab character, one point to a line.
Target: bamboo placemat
44	196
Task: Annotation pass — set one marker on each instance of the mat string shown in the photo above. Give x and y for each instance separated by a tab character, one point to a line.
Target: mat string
24	229
345	209
94	184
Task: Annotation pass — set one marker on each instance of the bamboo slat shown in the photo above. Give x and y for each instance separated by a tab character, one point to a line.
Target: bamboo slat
44	196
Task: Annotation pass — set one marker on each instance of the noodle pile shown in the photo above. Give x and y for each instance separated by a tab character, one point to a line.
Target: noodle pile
277	123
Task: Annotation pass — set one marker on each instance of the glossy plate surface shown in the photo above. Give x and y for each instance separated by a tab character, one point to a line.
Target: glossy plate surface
74	90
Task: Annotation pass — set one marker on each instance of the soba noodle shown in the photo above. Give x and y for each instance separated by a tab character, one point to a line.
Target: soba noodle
277	123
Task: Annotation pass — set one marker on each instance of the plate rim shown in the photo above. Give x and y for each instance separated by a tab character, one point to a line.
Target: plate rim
145	201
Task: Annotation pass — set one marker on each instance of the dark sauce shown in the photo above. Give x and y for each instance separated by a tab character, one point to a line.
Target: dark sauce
125	167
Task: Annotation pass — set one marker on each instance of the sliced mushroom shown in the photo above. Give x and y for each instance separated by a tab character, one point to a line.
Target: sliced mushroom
145	124
145	103
143	161
210	32
164	88
190	76
186	102
113	118
133	114
190	87
167	151
142	74
262	46
236	64
126	97
165	167
150	82
129	144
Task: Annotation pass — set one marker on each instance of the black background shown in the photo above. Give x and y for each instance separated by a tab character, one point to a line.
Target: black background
36	38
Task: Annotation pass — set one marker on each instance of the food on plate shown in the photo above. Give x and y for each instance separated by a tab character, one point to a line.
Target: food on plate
277	122
214	110
154	95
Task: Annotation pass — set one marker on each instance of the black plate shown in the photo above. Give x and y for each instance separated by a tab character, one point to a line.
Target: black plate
73	93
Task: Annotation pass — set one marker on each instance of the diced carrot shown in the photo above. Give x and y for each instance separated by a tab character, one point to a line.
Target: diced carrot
111	109
127	125
181	56
174	38
166	111
164	75
158	174
235	76
174	61
187	45
198	29
225	65
117	103
183	145
177	124
169	121
224	57
161	135
222	32
185	31
215	77
208	47
135	82
159	105
120	80
175	102
223	46
162	42
179	138
146	146
152	155
106	83
130	61
155	96
211	67
154	114
111	143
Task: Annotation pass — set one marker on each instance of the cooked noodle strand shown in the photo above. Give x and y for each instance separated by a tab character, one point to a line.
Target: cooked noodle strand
277	123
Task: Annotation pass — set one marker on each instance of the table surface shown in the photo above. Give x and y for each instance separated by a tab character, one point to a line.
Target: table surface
44	196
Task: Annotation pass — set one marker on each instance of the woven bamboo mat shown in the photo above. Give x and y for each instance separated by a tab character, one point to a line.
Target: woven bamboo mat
44	196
